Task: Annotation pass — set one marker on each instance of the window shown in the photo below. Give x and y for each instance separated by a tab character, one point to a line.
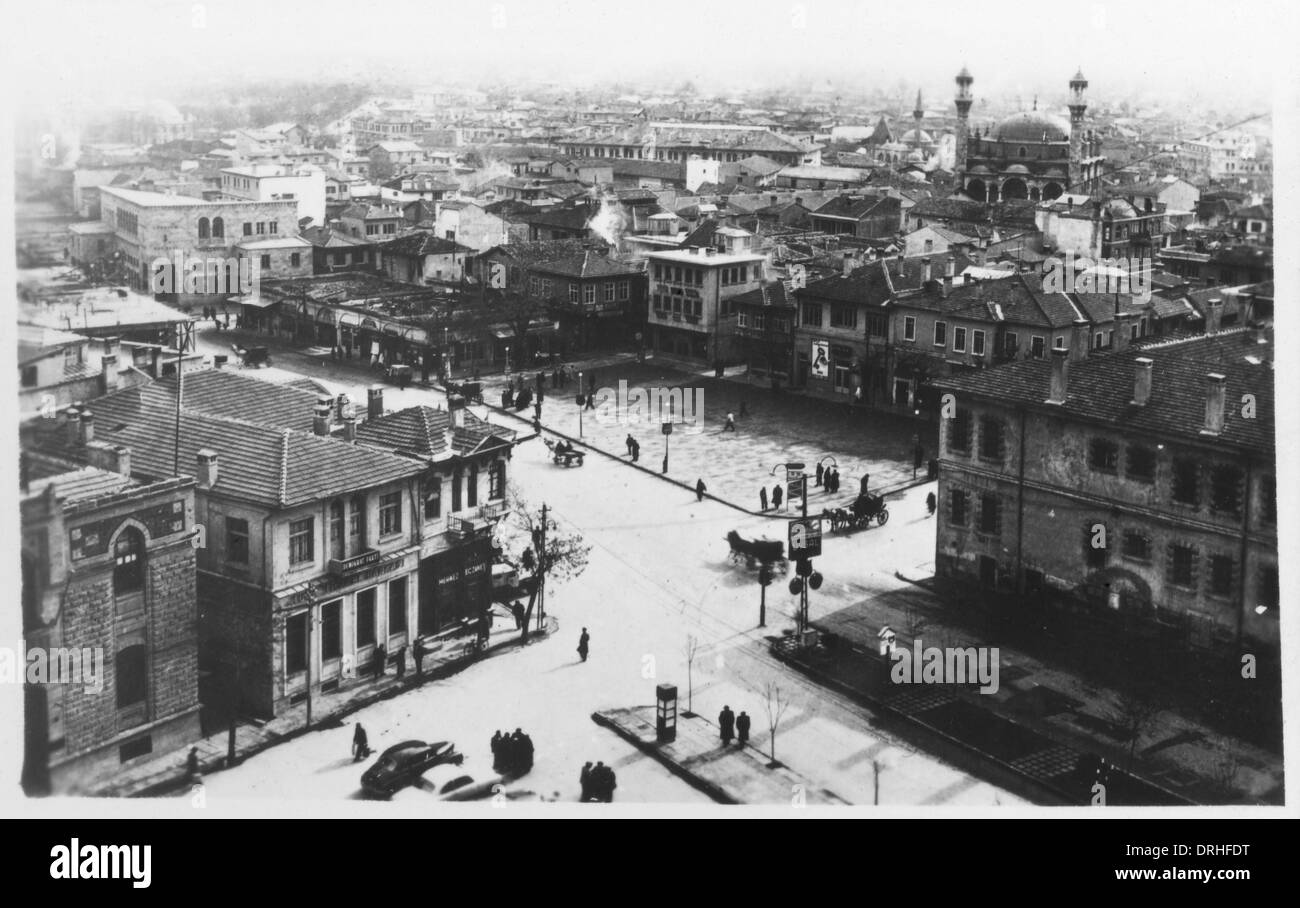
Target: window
390	514
811	315
128	562
433	499
574	294
275	227
331	630
248	229
844	317
1182	566
624	290
990	518
742	320
218	228
132	675
1268	594
1136	546
1103	455
1036	344
237	540
957	507
1186	481
261	227
357	523
497	480
1096	341
295	259
1221	575
589	294
1268	500
366	617
336	531
204	229
471	486
959	340
396	606
1225	490
266	262
909	328
30	376
302	542
977	343
455	491
1059	343
295	643
534	286
1094	555
609	291
959	431
877	325
1140	463
992	440
941	334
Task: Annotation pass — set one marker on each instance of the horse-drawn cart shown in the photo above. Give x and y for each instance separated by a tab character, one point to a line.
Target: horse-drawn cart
865	509
756	551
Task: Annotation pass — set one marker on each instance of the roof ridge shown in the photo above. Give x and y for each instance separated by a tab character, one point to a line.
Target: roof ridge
283	496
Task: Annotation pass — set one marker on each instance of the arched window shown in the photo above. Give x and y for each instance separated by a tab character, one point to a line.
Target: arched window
128	562
132	675
1022	152
218	228
204	231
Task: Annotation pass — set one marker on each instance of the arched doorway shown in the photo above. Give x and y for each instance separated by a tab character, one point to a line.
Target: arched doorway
1052	191
977	190
1015	188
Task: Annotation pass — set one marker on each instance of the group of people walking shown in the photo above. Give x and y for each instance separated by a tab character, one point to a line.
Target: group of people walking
828	479
598	783
732	726
512	754
633	448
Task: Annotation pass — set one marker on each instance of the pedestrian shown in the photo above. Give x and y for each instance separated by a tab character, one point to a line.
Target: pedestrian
762	497
727	724
776	496
636	450
591	401
931	504
360	746
584	779
599	779
525	753
192	765
419	656
484	627
820	471
517	610
527	559
608	784
742	728
496	749
381	660
700	489
401	661
835	480
628	443
582	644
731	423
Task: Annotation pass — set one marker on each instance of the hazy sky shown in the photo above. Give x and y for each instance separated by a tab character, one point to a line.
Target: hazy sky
1218	54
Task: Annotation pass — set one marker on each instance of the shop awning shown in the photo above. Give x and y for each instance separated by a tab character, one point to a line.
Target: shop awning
255	302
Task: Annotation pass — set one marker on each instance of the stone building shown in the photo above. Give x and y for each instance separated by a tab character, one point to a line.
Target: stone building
108	581
1137	488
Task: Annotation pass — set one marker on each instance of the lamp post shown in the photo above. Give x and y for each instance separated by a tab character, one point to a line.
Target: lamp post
667	429
835	464
581	404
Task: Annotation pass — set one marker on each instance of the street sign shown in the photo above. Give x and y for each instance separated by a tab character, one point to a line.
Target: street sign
805	537
794	488
667	428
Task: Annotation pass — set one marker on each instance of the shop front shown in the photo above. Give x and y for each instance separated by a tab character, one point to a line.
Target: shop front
455	585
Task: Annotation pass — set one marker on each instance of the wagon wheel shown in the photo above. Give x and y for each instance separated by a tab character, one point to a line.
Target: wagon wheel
883	517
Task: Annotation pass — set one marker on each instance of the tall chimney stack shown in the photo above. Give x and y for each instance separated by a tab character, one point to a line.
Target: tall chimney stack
320	423
1142	381
456	410
947	277
349	428
1213	312
87	431
109	375
925	271
899	265
1060	376
207	468
1122	331
847	264
374	402
1215	399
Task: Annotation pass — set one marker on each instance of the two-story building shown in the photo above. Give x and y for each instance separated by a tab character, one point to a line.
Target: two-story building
598	300
691	293
423	258
764	332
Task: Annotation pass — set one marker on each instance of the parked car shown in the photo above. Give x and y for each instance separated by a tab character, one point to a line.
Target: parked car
402	764
451	783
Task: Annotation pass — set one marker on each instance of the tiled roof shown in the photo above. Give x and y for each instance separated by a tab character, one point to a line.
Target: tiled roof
77	485
1100	388
219	392
426	432
874	283
543	250
423	243
846	206
772	294
590	263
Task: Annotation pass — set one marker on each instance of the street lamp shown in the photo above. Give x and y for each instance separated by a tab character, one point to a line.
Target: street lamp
834	465
793	472
581	403
507	359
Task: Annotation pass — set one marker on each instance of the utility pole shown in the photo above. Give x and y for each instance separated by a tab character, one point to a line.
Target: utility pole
310	622
176	454
541	569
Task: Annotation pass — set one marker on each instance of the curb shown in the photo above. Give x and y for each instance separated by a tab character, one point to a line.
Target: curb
712	790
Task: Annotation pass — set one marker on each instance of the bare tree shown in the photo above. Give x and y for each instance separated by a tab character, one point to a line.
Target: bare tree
692	650
1133	713
556	554
776	704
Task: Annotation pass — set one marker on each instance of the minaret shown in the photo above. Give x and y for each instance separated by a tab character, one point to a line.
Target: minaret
964	100
1077	108
918	114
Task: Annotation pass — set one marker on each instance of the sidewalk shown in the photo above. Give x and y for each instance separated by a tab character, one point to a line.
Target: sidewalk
166	774
729	775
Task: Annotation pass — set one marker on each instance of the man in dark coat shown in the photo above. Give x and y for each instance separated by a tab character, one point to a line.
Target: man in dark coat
762	497
582	644
584	779
628	444
517	609
776	496
727	724
599	781
192	764
401	661
525	753
360	746
636	450
700	489
820	471
419	656
497	739
381	660
742	728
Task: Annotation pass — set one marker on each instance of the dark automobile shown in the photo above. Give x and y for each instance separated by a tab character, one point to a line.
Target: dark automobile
402	764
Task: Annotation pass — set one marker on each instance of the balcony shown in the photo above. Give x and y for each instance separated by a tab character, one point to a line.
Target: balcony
341	567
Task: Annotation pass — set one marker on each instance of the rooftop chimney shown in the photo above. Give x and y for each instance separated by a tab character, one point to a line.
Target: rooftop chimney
848	263
320	423
374	402
1213	311
899	261
947	277
114	458
207	468
1122	331
1141	381
108	370
86	434
925	271
349	428
456	410
1060	375
1215	398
